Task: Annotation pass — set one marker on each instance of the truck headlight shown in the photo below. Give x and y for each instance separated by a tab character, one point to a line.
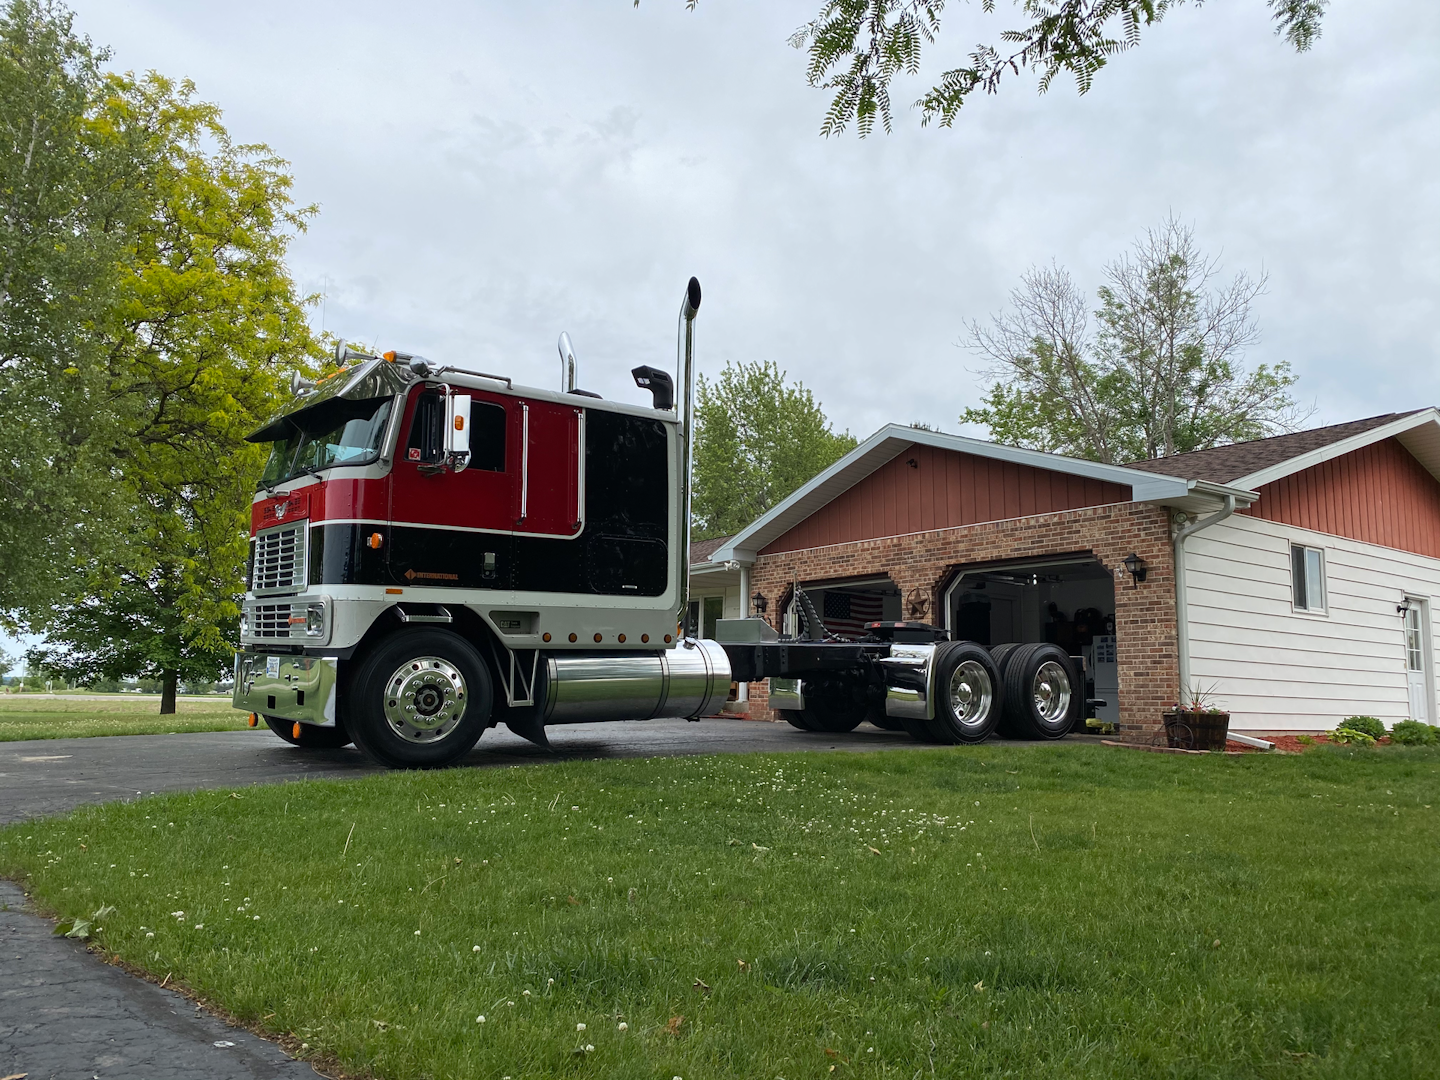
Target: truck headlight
315	619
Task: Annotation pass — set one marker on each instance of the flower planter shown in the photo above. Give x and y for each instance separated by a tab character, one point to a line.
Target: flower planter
1196	729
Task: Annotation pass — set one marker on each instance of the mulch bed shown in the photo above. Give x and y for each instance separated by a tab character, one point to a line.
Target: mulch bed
1284	744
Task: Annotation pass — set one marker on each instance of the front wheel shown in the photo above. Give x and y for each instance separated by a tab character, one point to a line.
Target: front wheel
309	736
420	700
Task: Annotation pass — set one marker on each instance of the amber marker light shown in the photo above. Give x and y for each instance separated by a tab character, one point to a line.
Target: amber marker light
459	423
622	639
254	720
644	638
597	639
667	639
296	730
393	592
545	636
390	356
573	638
375	541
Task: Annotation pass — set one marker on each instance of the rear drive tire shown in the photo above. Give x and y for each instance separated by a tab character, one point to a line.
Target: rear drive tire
793	718
311	737
835	716
883	720
968	694
1040	692
421	700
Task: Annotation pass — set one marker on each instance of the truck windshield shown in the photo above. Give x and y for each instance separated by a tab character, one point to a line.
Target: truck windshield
337	432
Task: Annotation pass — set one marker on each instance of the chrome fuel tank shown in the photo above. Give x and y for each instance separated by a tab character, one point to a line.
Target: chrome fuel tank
690	680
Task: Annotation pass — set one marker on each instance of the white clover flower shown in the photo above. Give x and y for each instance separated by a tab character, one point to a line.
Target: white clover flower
474	948
199	926
589	1048
417	933
150	934
622	1026
579	1027
524	993
480	1019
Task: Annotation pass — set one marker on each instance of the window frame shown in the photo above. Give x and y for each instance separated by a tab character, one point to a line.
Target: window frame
1302	605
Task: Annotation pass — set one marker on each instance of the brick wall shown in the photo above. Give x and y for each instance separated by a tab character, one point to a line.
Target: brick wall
1144	616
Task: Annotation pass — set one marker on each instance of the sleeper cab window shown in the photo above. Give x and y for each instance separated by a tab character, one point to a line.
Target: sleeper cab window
1307	578
426	443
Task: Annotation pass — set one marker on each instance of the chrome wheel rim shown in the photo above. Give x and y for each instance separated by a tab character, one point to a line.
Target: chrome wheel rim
1052	692
425	699
971	694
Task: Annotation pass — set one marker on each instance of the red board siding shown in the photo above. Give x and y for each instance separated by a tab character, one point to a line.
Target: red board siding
943	490
1379	494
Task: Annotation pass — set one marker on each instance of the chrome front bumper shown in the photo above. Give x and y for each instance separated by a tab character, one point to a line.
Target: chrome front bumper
291	687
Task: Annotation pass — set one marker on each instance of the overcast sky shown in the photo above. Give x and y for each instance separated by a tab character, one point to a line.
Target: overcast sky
491	173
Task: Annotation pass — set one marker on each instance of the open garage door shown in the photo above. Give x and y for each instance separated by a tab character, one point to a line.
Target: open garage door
845	607
1067	600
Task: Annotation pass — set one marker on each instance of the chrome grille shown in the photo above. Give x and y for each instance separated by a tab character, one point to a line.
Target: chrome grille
271	621
280	559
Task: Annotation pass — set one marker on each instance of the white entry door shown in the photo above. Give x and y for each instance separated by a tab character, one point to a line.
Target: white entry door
1415	635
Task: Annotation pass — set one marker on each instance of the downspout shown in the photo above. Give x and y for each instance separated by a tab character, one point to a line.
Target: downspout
1182	614
685	372
743	694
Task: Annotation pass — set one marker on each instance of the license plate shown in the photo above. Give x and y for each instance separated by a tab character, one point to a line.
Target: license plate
272	666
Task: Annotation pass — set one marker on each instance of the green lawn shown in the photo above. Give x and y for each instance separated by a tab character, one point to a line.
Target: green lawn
29	716
1007	910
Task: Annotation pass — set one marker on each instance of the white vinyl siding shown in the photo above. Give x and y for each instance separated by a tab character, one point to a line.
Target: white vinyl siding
1278	667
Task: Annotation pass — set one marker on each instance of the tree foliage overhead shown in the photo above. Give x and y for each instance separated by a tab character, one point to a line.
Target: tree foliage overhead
1162	373
189	325
856	48
61	193
757	439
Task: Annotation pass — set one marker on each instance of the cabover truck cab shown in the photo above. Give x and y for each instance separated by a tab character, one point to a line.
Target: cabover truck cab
436	550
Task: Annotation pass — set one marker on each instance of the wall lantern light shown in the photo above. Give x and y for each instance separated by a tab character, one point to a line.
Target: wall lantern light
1137	568
1403	608
760	603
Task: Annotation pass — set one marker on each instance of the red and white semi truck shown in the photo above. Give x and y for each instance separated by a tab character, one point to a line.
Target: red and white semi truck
437	550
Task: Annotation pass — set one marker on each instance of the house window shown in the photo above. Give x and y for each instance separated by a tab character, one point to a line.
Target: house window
1307	578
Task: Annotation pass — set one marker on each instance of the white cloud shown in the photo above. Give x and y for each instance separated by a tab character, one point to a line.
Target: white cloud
491	174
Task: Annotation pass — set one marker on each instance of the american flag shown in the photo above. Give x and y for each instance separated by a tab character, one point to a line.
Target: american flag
846	613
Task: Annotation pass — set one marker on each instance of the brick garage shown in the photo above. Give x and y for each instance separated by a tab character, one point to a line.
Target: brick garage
1144	615
914	515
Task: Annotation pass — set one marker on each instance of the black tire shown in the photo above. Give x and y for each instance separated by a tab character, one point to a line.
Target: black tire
1040	692
919	730
1000	653
310	737
833	715
968	693
879	718
793	718
420	700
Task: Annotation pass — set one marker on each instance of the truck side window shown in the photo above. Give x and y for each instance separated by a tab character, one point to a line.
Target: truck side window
487	436
425	443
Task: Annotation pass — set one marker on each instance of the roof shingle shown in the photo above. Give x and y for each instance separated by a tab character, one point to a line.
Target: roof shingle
1226	464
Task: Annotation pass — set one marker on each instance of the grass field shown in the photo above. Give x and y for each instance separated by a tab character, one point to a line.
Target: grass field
1011	910
29	716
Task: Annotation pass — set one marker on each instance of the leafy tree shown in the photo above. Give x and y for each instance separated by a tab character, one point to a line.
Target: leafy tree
206	326
757	439
856	48
1163	374
59	199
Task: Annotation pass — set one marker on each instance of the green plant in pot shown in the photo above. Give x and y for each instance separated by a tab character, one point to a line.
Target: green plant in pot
1196	722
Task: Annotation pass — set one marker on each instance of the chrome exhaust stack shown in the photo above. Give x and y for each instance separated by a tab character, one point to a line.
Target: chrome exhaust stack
567	364
685	376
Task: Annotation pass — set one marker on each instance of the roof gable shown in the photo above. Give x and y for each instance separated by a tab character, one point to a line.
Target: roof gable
1260	461
893	439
